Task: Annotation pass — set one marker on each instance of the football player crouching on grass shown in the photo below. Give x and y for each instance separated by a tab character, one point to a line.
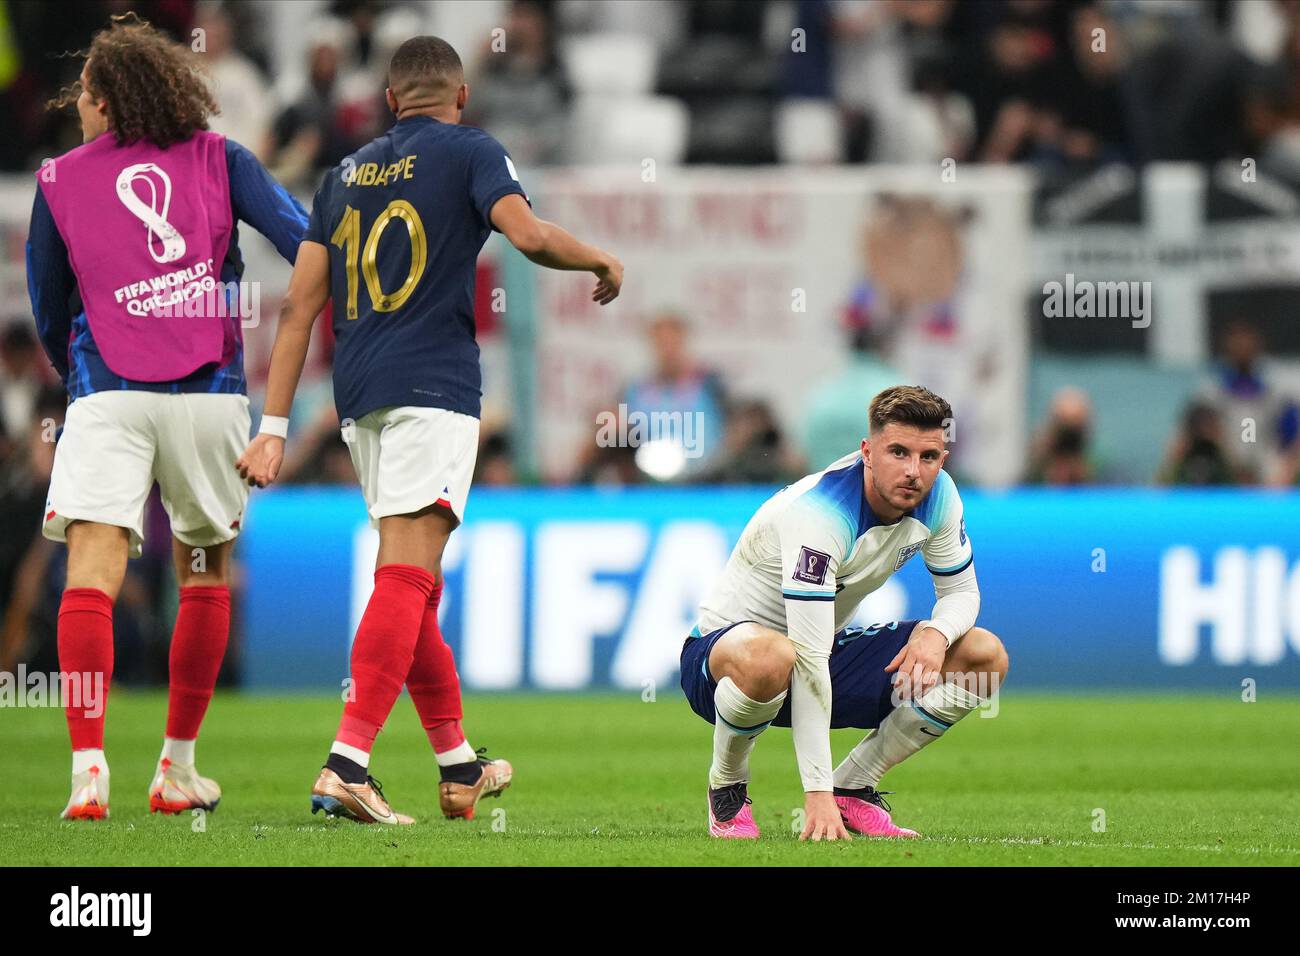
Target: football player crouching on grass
772	645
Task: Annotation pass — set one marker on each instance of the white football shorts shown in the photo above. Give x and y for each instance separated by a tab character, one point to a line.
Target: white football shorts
115	445
408	458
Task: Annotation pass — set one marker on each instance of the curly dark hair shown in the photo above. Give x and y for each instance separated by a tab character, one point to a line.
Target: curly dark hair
155	87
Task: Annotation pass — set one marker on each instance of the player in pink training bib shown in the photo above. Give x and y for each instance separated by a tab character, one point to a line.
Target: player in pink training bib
135	280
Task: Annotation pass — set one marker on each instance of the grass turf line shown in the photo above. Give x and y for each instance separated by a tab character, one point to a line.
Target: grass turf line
609	779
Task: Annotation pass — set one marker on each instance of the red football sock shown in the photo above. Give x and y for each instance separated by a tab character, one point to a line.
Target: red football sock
85	638
383	650
198	645
433	683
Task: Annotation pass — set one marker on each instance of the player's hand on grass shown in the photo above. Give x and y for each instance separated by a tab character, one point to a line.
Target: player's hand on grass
918	663
822	820
609	279
261	460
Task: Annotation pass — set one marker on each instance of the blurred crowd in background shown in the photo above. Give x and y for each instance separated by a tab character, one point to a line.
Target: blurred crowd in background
730	81
707	82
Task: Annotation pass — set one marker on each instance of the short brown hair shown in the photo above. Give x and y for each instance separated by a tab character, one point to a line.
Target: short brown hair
155	87
425	66
909	405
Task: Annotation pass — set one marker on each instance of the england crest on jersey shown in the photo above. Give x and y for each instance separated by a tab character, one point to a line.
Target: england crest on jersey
906	553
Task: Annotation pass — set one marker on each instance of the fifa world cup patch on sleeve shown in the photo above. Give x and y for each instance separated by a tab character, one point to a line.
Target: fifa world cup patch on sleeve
811	565
905	554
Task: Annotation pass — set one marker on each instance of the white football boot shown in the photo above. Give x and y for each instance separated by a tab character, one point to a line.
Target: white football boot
89	800
178	787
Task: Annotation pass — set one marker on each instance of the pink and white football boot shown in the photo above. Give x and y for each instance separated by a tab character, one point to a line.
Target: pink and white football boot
729	814
865	811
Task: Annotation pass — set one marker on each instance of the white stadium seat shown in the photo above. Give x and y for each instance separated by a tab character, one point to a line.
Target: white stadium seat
610	63
611	129
808	131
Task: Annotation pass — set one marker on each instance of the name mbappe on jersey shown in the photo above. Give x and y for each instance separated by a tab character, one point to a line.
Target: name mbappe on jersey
403	220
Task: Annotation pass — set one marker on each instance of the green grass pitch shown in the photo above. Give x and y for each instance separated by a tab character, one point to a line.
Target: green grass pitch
1189	780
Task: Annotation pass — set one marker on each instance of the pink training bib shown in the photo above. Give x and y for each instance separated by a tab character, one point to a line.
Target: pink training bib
147	231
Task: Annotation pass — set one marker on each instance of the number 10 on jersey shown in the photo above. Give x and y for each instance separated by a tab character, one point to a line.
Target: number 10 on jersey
348	238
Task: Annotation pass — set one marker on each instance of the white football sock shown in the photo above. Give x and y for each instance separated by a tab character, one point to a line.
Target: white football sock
178	751
461	754
902	733
355	754
740	720
83	760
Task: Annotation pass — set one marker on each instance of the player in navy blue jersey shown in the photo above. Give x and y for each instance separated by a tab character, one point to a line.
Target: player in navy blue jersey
394	235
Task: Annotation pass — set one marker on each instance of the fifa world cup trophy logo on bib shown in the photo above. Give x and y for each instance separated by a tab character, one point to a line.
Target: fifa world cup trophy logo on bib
155	218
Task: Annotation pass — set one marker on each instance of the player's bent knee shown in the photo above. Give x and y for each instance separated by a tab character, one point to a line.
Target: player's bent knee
758	659
772	655
980	650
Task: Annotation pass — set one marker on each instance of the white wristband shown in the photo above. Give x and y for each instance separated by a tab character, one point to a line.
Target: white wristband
276	425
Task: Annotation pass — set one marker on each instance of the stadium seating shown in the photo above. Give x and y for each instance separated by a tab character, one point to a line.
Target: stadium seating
808	131
610	63
611	129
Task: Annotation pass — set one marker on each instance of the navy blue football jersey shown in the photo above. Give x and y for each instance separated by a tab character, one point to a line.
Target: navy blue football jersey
404	218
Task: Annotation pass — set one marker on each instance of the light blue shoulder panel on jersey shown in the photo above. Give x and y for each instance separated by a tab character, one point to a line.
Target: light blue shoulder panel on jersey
838	494
934	509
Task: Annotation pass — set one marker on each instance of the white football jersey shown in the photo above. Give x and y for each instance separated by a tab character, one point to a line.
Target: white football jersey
806	560
818	540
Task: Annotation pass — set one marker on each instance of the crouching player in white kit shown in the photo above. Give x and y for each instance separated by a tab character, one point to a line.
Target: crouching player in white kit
771	647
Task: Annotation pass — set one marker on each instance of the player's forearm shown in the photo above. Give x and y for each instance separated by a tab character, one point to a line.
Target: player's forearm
49	308
308	292
556	248
288	355
811	630
957	605
49	283
53	329
810	721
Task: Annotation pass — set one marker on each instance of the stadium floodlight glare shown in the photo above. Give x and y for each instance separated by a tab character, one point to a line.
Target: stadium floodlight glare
662	459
